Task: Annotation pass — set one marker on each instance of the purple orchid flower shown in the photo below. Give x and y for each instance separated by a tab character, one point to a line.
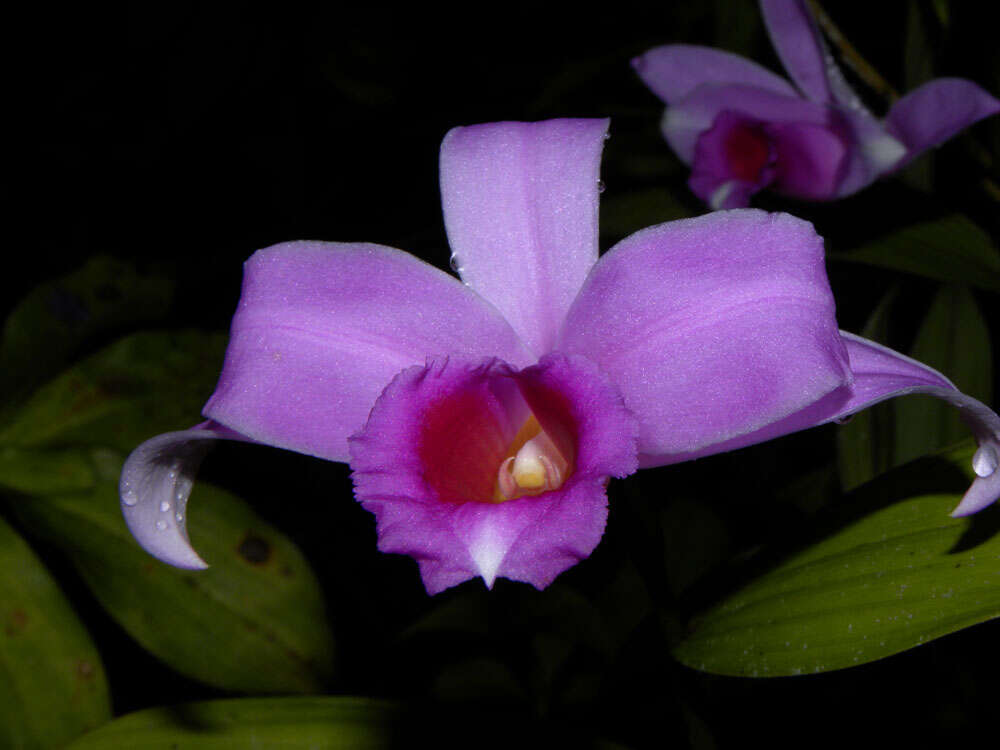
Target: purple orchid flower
483	419
742	128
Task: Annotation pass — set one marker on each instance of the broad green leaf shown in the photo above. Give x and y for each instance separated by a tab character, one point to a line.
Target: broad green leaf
258	723
949	249
253	622
321	723
52	683
58	319
139	386
953	339
898	573
864	444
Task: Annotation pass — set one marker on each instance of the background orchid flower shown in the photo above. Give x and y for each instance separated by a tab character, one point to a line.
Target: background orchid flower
482	420
742	128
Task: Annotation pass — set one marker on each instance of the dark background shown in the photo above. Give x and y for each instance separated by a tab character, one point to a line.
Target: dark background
184	136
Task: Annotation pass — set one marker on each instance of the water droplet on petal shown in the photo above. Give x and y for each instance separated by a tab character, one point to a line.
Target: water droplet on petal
179	517
985	461
164	506
129	498
455	263
845	419
601	187
161	525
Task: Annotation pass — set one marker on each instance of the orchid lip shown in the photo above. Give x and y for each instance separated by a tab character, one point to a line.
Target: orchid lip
486	444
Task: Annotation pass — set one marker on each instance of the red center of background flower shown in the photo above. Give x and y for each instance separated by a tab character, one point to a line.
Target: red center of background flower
470	437
747	151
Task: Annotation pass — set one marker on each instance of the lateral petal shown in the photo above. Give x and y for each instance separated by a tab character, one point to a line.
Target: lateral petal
931	114
675	70
320	330
520	206
881	373
712	327
154	487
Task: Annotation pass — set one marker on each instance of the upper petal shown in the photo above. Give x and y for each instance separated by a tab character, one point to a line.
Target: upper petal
674	70
322	327
684	121
711	327
933	113
799	44
520	207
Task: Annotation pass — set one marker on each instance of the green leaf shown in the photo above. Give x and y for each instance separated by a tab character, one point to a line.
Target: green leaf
898	572
55	321
139	386
953	339
321	723
253	622
259	723
949	249
52	683
864	444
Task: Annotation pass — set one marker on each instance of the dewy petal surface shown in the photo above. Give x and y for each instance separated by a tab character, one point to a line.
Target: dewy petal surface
520	206
322	327
532	538
711	327
878	374
154	487
881	373
933	113
675	70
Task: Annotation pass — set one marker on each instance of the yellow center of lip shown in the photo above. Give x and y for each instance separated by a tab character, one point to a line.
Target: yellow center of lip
533	464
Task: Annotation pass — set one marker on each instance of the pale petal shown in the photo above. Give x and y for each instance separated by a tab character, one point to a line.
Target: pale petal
154	487
323	327
520	206
712	327
881	373
931	114
673	71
